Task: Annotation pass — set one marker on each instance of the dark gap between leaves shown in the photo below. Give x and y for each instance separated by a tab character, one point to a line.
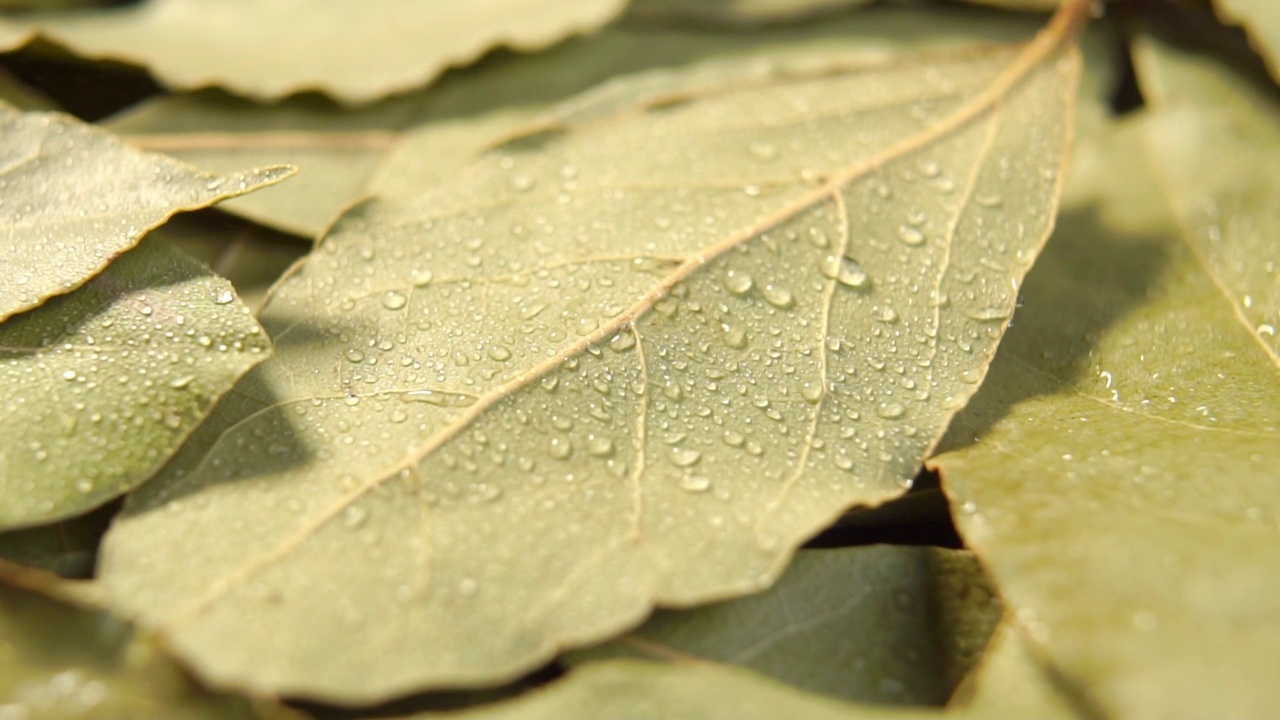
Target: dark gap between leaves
1194	26
90	90
920	517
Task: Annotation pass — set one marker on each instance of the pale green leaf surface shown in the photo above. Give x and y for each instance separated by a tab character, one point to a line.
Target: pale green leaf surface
632	361
1261	20
1008	685
738	12
1122	487
58	662
1216	140
100	386
341	153
353	50
72	198
881	624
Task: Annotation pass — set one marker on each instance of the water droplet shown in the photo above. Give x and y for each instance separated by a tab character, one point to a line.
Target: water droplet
394	300
599	446
180	382
912	236
84	485
223	298
884	314
440	399
733	438
522	182
845	271
695	483
560	448
499	353
685	458
777	296
421	278
988	201
355	355
735	337
738	282
1267	329
891	410
69	375
623	341
468	587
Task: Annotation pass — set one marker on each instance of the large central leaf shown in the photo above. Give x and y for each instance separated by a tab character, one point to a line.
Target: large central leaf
631	359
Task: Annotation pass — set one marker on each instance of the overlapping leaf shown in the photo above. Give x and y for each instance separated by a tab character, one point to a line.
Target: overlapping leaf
629	361
1009	685
59	661
1222	191
72	198
1121	482
339	151
884	625
1261	18
100	386
739	12
354	50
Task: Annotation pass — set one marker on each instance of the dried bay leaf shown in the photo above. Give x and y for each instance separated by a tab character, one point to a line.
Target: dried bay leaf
738	12
99	387
72	198
356	50
877	624
61	661
1225	193
1125	447
1261	20
344	154
631	360
1010	684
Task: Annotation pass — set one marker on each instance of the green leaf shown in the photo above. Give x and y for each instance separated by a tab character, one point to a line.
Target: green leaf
737	12
1116	473
341	152
1224	192
100	386
1009	685
74	198
885	625
354	51
60	661
1261	20
630	361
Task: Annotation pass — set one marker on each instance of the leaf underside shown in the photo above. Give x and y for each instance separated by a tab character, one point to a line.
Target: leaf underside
633	360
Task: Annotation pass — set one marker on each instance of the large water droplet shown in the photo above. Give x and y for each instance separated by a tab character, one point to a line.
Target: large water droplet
777	296
684	457
845	271
394	300
912	236
738	282
891	410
